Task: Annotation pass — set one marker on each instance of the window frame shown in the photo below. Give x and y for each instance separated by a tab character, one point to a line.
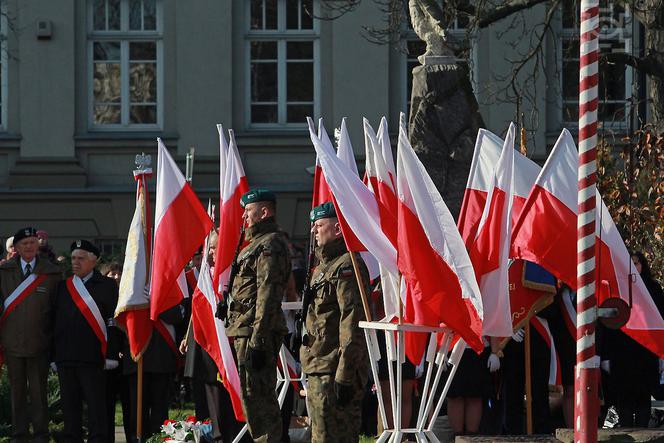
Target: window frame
124	36
624	35
281	36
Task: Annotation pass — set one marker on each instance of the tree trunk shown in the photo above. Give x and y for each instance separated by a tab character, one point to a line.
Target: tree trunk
654	42
444	120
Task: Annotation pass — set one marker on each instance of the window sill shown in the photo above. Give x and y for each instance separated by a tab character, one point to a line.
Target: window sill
129	140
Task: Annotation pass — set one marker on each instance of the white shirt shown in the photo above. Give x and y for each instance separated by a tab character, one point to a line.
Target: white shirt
87	277
31	263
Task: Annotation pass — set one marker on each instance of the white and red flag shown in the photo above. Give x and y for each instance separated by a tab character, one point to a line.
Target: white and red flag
386	151
432	258
322	191
181	225
210	334
490	250
488	148
358	205
133	309
546	234
233	185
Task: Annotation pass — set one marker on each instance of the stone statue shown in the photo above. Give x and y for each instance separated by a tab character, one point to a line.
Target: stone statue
428	22
444	117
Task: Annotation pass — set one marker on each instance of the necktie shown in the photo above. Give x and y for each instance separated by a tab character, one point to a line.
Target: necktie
28	270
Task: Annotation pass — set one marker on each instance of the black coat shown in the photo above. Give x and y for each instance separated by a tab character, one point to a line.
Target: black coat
74	341
159	356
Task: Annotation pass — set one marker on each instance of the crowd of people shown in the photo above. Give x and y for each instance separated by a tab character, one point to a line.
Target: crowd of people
64	322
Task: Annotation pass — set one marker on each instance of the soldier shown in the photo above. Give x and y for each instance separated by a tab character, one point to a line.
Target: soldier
27	286
255	316
84	344
333	353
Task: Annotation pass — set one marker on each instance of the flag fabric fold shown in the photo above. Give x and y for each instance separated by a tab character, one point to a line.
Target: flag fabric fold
490	251
233	185
546	234
181	225
442	288
210	334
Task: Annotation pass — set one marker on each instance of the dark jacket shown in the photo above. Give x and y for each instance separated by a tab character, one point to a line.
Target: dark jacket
27	331
159	357
74	341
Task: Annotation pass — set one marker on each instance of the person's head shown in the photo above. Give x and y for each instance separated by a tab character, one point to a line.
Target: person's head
42	237
197	259
84	256
9	245
26	243
641	264
112	270
326	227
212	247
258	205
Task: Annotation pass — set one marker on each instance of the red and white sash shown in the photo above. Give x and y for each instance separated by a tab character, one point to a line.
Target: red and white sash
26	288
568	311
88	307
167	332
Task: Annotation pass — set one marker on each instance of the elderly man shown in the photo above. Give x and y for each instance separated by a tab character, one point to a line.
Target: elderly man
333	353
27	287
84	307
255	316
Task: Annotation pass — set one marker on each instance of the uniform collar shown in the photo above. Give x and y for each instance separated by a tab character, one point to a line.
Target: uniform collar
332	250
266	225
32	264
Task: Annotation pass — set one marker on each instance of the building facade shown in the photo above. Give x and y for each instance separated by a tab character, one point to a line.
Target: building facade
88	84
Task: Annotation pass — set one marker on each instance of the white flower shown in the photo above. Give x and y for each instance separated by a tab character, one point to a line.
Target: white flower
168	429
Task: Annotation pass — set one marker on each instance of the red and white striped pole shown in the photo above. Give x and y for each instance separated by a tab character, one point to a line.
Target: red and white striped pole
586	400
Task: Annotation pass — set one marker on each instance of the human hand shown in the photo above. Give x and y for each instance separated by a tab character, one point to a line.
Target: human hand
494	363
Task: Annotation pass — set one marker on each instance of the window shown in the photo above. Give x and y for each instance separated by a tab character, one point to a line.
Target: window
125	64
414	47
615	80
282	62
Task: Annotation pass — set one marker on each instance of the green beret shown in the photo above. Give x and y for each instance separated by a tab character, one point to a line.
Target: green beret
326	210
257	195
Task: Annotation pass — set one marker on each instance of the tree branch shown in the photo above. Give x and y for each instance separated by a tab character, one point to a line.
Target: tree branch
649	64
487	16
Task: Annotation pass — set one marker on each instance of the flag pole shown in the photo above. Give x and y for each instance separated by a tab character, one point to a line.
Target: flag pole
142	163
529	385
586	407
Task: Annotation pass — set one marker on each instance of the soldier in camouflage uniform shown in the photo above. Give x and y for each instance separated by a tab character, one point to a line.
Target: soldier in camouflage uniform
255	316
334	353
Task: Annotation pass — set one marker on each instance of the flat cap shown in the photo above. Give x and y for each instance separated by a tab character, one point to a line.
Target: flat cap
84	245
326	210
257	195
24	233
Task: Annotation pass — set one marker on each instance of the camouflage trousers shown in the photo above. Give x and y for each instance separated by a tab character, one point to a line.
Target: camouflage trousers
330	422
259	398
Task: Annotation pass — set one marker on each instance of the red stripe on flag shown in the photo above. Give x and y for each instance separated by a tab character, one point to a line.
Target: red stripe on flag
136	323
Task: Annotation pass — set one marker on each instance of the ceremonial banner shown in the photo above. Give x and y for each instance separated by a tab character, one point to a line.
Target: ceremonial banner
432	258
181	225
132	313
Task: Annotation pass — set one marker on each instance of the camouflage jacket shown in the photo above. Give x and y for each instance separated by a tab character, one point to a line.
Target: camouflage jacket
335	343
258	288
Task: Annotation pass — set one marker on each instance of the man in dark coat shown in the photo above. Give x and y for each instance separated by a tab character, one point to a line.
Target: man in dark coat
84	306
27	288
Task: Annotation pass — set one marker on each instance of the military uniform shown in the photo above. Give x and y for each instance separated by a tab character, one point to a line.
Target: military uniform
334	353
25	336
257	323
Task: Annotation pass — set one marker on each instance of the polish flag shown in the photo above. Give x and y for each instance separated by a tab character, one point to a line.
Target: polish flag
442	288
357	204
488	148
490	251
133	308
322	191
380	181
181	225
210	334
230	214
347	156
546	234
